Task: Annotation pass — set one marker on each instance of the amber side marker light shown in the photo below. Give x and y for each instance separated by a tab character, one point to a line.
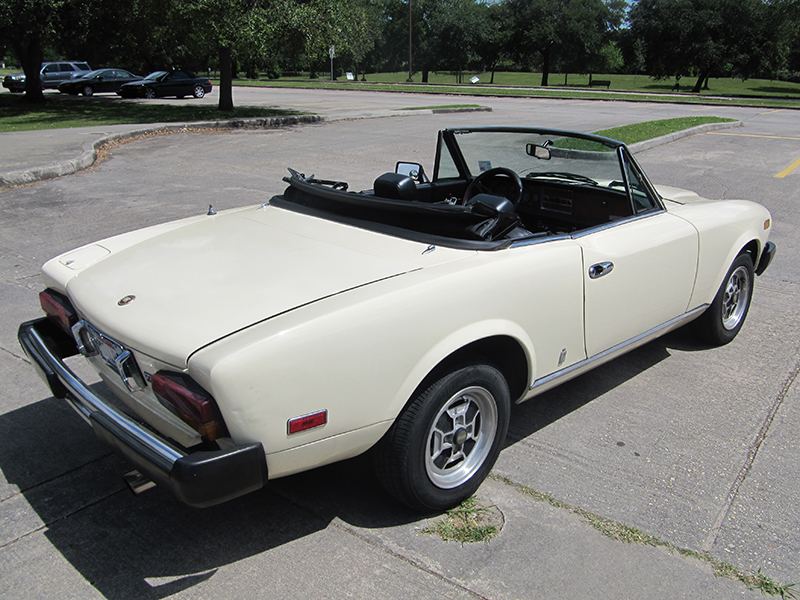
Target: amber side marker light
306	422
190	402
59	309
766	224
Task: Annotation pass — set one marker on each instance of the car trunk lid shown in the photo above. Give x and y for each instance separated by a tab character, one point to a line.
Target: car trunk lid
183	289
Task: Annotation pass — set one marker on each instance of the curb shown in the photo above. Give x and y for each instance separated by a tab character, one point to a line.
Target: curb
671	137
88	157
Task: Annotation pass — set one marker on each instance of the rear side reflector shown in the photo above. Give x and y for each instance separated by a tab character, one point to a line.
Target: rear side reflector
306	422
190	402
58	308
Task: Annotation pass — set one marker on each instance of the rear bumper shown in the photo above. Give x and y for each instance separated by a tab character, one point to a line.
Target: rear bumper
199	479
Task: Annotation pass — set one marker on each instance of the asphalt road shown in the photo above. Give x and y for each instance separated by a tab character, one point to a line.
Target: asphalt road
695	446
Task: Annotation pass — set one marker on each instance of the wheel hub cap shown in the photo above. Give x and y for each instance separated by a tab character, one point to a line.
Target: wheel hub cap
461	437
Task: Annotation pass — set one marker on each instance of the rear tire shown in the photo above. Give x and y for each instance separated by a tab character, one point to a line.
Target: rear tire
445	442
728	311
199	92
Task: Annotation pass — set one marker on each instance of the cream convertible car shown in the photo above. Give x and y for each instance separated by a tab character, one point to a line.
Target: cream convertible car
263	341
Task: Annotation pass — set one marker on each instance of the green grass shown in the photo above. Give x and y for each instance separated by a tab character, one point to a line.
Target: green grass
439	106
723	86
630	535
639	132
59	112
466	523
723	91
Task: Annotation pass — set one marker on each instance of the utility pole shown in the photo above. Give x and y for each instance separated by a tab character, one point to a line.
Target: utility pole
410	70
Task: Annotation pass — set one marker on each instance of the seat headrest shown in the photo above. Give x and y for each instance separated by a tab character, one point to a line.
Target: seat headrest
395	186
490	205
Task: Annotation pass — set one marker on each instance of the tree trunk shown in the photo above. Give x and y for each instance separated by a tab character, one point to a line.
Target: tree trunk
545	66
703	76
29	53
424	75
225	80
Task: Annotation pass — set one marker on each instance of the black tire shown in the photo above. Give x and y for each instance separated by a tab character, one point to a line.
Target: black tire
446	440
149	92
199	92
88	90
720	323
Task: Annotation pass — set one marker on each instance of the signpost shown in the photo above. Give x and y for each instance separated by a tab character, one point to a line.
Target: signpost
332	54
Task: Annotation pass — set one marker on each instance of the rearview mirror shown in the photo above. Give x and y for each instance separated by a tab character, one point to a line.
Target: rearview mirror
537	151
413	170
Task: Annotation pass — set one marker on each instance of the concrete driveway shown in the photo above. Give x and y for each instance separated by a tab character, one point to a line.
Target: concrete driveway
691	445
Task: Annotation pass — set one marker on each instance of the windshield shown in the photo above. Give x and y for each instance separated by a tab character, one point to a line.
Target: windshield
155	75
541	155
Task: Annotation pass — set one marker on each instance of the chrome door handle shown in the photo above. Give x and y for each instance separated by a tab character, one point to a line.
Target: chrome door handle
600	269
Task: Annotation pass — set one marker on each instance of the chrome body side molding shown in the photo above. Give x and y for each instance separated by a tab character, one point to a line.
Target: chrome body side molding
550	381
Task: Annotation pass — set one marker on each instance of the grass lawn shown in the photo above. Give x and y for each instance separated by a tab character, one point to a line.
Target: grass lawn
59	112
639	132
722	91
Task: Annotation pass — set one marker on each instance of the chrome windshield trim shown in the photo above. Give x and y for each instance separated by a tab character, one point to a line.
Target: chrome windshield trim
550	381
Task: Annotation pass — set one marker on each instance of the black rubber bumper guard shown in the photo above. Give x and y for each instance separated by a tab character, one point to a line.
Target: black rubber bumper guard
766	258
199	479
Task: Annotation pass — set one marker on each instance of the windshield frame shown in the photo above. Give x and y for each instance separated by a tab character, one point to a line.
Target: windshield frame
449	154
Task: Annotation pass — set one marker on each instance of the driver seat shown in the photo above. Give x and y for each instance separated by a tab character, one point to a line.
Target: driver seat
501	216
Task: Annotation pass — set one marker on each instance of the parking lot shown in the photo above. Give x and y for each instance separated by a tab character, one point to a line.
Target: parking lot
694	446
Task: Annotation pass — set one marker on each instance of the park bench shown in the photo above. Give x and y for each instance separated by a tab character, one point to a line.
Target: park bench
600	82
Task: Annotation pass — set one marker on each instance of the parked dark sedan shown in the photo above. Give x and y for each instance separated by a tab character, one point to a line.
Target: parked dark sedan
178	83
101	80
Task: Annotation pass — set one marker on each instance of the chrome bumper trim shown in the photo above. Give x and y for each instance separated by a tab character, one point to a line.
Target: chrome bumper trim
200	479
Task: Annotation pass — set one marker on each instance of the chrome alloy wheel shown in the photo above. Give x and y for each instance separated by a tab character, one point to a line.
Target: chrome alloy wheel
735	298
461	437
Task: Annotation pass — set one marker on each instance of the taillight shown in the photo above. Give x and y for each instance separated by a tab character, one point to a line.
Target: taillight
59	309
190	402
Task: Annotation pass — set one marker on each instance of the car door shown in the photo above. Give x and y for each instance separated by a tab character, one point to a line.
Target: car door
106	82
638	274
174	84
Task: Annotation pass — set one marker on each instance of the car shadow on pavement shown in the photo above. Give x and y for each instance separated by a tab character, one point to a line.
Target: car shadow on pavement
539	412
151	546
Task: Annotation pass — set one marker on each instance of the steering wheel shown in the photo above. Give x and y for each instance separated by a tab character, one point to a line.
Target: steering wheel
478	185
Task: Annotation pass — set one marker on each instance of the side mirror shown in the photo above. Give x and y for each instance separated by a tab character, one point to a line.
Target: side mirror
537	151
413	170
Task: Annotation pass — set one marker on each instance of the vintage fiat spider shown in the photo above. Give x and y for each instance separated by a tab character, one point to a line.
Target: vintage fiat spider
402	320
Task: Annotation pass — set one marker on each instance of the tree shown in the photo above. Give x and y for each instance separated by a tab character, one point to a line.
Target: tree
227	26
696	37
457	27
571	33
27	26
493	46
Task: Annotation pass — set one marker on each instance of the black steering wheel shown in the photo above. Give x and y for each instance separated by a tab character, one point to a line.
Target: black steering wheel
478	185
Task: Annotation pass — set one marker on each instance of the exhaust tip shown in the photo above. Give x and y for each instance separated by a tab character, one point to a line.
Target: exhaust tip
138	482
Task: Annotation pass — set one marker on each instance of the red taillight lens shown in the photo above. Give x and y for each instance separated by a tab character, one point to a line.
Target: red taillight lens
190	402
59	309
